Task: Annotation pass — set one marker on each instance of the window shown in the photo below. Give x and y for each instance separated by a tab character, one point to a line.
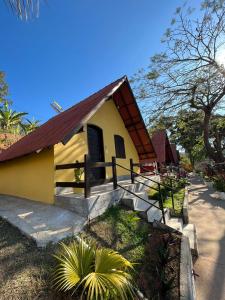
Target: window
119	146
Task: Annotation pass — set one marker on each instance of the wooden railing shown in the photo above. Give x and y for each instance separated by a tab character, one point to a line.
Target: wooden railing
87	183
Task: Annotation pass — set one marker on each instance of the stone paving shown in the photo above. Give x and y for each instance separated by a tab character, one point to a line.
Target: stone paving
207	212
41	222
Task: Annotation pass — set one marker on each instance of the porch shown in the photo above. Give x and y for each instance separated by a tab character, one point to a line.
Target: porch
98	195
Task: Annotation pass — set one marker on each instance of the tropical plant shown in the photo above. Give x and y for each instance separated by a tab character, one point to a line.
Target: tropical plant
30	125
78	172
3	88
92	272
9	119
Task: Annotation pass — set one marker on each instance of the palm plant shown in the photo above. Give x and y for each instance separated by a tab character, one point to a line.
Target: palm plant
10	120
30	125
94	273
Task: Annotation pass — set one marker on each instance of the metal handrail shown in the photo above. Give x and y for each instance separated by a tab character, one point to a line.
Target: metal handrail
157	173
145	177
138	196
151	204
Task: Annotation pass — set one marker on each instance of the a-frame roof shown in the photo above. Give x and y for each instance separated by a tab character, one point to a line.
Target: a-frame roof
162	147
63	126
175	153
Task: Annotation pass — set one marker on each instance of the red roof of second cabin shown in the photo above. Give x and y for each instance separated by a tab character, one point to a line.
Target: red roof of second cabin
64	125
162	146
174	152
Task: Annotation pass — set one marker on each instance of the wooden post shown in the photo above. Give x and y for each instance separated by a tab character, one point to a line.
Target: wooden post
114	173
131	170
87	189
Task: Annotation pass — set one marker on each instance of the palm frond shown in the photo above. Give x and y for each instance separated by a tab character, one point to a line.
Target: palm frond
99	273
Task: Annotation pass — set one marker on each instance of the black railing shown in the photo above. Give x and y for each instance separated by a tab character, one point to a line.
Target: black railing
170	187
87	183
133	179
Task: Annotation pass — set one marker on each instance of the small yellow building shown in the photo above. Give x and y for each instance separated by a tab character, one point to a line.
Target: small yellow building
107	124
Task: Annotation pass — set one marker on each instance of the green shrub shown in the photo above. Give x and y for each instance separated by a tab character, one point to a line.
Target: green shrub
219	183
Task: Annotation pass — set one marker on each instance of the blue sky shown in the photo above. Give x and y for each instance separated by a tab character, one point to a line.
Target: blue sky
76	47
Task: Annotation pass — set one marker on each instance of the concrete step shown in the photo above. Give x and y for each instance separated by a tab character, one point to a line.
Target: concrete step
175	223
128	202
154	214
189	231
134	202
167	214
108	186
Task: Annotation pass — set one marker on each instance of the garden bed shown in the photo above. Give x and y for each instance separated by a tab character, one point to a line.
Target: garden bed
25	269
166	194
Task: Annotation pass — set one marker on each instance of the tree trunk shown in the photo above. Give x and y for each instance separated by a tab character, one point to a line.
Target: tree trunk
217	156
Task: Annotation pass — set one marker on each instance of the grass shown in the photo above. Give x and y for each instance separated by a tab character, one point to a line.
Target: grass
25	271
178	198
122	230
178	201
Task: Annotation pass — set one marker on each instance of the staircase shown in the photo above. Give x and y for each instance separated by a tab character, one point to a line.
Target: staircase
152	210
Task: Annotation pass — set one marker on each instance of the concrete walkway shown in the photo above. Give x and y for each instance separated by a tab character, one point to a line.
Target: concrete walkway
207	212
44	223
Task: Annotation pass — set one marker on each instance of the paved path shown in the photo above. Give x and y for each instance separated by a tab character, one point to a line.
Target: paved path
207	212
44	223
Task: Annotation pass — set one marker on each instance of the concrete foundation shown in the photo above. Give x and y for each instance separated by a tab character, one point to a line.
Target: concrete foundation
102	197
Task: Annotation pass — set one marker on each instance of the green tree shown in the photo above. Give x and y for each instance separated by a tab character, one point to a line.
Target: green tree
30	125
10	120
185	129
3	88
188	73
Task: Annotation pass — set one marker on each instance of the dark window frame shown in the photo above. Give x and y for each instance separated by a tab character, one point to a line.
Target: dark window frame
120	150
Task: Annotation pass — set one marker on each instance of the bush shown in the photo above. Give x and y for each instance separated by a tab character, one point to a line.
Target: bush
92	272
219	183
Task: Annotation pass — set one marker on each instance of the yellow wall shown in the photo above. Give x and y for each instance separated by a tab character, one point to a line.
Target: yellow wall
30	177
34	176
74	150
109	119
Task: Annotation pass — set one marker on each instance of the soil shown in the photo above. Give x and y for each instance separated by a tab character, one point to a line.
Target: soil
25	270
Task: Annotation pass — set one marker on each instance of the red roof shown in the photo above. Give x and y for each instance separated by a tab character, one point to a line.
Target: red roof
63	126
162	147
175	153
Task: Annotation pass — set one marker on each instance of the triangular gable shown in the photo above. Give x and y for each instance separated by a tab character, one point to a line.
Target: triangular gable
162	147
63	126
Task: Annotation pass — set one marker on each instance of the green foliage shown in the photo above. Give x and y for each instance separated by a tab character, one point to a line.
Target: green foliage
3	88
166	194
219	183
191	79
12	121
129	232
30	125
185	129
78	172
93	272
165	285
186	163
9	119
164	257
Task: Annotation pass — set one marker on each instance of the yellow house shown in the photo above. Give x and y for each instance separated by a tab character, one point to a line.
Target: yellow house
105	125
